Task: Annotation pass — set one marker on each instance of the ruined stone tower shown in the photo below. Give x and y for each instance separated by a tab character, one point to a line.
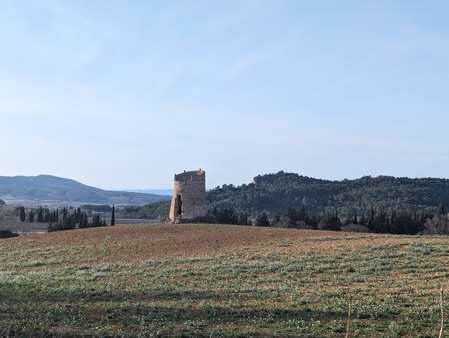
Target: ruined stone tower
189	196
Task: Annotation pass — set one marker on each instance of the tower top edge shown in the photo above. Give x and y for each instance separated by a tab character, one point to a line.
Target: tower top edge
197	175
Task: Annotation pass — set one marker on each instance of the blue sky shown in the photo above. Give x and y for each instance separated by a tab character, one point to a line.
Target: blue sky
124	94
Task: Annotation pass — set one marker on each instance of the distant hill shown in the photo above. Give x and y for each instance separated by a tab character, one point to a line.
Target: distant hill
275	192
49	190
165	192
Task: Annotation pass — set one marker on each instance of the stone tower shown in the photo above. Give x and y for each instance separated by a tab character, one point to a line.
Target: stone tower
189	196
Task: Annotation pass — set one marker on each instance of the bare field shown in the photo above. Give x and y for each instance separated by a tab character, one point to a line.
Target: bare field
23	228
202	280
137	243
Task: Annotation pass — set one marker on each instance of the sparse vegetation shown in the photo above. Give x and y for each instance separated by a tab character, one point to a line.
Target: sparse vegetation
221	281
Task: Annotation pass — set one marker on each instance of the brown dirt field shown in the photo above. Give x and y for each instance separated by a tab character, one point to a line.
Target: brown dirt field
134	243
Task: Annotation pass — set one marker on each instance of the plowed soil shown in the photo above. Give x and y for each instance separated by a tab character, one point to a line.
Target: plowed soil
132	243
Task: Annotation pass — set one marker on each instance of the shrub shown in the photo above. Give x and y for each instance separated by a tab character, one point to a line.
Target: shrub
7	234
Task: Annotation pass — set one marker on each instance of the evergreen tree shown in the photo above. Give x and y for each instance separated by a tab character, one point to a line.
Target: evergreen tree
64	220
262	220
313	220
40	215
46	216
78	215
440	209
69	222
243	218
225	216
329	222
276	219
84	221
96	220
371	225
292	215
355	219
22	214
380	221
64	213
301	214
31	216
113	215
53	217
420	220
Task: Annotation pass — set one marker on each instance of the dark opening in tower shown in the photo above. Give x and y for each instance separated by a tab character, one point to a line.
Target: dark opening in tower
178	205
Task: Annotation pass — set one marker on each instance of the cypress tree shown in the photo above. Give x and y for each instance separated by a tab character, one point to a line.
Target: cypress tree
40	215
22	214
113	215
31	216
84	221
46	217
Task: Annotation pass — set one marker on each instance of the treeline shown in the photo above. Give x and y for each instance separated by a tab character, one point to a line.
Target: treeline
76	219
97	207
428	222
40	215
64	219
274	192
158	210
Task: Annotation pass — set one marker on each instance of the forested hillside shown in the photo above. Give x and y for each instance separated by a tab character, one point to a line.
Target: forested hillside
275	192
381	204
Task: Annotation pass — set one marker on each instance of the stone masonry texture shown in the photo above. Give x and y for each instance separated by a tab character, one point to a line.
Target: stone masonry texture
189	196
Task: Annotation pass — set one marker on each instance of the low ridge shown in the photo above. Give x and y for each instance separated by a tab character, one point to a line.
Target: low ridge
53	190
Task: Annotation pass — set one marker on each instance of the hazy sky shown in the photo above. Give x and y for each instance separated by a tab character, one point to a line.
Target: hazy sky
124	94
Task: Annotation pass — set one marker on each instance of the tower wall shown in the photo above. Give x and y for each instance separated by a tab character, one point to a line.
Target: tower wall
189	196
